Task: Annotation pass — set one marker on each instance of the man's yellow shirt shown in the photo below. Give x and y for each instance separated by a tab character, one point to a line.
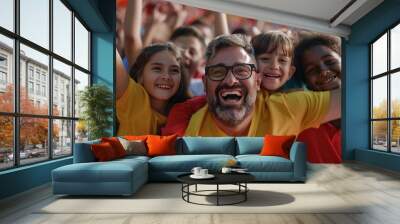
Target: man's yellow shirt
276	114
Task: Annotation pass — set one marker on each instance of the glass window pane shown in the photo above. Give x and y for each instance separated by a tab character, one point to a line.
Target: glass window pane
395	47
62	89
395	136
6	142
62	29
395	94
379	55
81	131
33	139
379	135
81	45
35	21
7	14
379	97
81	81
62	138
34	96
6	74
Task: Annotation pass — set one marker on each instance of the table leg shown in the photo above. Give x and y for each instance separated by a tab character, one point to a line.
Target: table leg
217	194
182	190
196	188
245	191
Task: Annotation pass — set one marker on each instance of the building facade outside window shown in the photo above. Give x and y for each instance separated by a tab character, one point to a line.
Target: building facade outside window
46	124
3	72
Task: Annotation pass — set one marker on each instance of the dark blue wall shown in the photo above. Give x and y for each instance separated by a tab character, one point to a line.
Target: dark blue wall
99	16
356	85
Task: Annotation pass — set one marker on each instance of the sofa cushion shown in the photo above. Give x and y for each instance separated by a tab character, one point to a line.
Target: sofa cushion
277	145
103	152
257	163
116	145
131	158
206	145
134	147
249	145
112	171
161	145
185	163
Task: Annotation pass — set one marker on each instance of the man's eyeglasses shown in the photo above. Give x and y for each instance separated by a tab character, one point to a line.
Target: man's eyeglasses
240	71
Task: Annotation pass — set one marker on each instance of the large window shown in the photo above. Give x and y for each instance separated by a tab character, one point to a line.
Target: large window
44	64
385	91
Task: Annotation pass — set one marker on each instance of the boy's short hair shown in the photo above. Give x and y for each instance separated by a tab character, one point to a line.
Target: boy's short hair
311	41
188	31
225	41
270	41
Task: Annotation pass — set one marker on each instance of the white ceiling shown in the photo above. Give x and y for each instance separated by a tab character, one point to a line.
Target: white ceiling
319	9
315	15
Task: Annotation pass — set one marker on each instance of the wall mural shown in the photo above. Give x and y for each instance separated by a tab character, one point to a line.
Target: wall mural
193	72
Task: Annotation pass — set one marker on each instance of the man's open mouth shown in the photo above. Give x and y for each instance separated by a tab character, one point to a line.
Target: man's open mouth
231	97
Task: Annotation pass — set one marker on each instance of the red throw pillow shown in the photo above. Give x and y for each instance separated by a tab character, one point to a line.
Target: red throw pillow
161	145
103	151
277	145
116	145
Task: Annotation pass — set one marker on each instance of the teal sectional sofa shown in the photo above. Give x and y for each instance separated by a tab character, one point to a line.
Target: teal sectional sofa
125	176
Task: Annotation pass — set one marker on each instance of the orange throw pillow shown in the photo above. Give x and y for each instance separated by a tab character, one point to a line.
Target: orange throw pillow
103	152
116	145
277	145
161	145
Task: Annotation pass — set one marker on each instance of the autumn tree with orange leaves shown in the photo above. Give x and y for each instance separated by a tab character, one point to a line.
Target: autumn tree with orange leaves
33	131
380	127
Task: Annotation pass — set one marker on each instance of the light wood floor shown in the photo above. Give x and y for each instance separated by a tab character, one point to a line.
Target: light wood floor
378	188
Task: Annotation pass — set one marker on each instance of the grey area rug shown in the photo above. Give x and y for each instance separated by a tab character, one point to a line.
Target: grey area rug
166	198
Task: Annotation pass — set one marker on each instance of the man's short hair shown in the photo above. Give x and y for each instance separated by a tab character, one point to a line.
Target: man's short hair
225	41
188	31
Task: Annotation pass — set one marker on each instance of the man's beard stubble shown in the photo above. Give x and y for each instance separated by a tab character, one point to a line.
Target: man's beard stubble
231	115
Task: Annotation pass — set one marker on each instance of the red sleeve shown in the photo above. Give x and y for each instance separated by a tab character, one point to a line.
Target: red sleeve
180	114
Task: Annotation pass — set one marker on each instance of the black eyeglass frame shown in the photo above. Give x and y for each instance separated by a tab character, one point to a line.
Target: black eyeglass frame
230	68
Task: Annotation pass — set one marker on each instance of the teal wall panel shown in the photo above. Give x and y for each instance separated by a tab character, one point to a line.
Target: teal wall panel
24	178
380	159
356	99
103	64
89	12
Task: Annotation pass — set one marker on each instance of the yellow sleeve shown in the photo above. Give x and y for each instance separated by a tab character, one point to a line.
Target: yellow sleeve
133	99
307	108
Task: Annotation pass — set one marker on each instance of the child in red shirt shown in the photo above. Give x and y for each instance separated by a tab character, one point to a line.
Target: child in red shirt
318	62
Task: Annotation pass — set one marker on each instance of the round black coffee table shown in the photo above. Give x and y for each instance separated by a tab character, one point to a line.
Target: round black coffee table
238	179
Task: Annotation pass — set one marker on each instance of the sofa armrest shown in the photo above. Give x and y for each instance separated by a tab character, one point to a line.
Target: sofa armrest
298	155
83	152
